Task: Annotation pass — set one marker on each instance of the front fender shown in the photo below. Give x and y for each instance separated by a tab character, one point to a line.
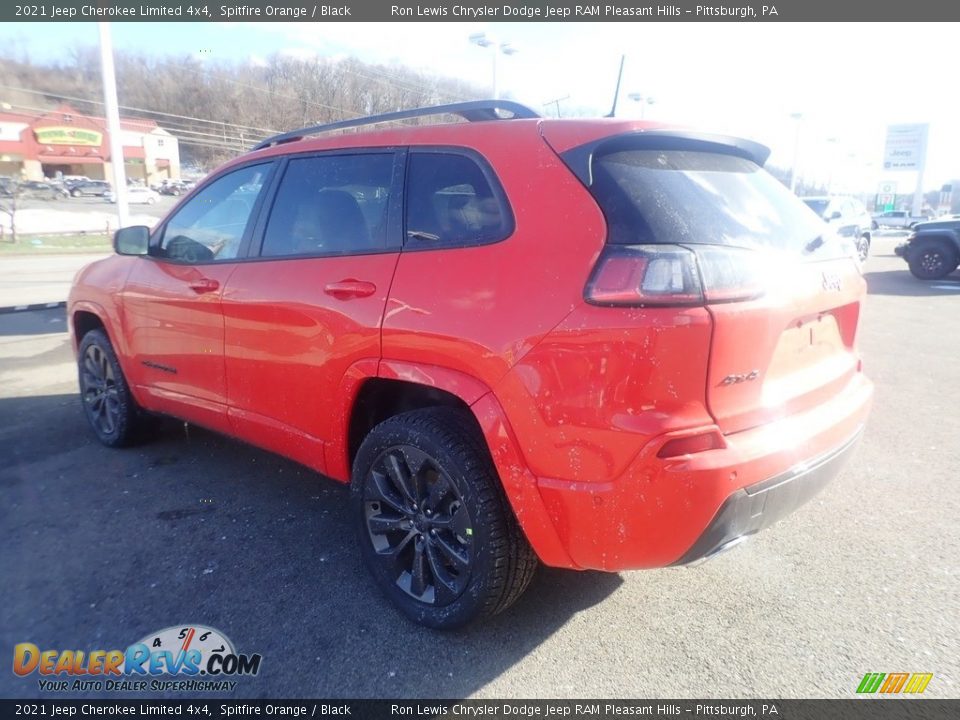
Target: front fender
945	234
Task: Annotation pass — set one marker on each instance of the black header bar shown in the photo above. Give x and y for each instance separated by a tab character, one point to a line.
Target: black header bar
472	11
893	708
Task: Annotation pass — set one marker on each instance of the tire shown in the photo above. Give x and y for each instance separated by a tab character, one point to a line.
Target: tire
75	193
863	247
109	406
435	529
933	260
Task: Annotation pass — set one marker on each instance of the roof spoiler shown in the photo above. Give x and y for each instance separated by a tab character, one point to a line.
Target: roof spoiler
580	159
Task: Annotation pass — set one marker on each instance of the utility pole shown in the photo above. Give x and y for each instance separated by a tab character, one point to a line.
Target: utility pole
796	152
113	124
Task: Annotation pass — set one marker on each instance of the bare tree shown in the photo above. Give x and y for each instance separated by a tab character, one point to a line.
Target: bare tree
10	194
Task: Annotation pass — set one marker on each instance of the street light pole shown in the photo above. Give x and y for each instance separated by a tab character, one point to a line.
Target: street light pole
796	152
112	110
496	47
833	166
643	101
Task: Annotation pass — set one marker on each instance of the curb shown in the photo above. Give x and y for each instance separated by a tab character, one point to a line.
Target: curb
35	306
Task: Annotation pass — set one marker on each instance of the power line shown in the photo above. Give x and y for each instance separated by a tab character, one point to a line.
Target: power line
193	138
264	131
239	140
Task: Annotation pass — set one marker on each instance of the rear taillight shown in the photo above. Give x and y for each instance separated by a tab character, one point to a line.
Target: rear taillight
672	275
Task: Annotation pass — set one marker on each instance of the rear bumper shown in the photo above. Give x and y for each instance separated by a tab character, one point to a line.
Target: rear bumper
753	508
663	512
901	249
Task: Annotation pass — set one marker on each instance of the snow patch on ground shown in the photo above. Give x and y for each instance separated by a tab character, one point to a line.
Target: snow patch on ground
43	221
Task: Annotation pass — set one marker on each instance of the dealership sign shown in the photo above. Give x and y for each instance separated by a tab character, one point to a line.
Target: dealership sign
68	136
906	147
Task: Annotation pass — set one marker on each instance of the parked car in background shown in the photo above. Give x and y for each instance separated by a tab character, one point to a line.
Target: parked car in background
898	219
933	249
516	338
96	188
136	195
42	190
33	189
847	216
174	187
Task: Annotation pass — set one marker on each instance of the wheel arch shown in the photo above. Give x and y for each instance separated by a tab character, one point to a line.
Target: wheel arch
952	238
372	391
84	316
397	387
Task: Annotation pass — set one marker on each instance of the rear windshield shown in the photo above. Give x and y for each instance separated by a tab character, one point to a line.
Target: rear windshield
690	196
818	205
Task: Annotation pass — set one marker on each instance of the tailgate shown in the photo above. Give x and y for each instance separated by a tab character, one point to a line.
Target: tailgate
788	350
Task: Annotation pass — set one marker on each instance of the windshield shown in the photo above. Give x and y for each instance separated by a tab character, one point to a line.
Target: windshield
684	196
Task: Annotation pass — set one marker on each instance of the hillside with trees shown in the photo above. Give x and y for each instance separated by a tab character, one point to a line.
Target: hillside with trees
217	108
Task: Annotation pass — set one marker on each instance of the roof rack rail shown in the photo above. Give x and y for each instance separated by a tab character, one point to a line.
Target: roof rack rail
473	111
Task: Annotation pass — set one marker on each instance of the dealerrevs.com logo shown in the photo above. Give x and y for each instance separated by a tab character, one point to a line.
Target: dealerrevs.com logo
202	658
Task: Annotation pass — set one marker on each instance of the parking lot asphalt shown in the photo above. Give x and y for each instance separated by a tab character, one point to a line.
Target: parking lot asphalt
88	203
102	547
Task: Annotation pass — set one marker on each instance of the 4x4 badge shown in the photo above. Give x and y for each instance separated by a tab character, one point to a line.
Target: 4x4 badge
831	281
740	377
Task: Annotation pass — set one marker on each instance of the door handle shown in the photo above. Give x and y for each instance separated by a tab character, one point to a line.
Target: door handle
347	289
204	285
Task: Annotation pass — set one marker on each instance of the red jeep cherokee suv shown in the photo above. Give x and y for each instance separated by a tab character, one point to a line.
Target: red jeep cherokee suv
602	344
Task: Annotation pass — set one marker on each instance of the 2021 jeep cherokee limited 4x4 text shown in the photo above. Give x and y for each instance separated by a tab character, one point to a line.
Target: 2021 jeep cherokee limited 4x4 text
597	344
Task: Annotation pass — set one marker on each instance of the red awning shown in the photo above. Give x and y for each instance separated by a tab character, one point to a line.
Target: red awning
134	152
69	160
162	163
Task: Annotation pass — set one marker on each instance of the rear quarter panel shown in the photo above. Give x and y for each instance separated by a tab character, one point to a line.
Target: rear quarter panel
478	310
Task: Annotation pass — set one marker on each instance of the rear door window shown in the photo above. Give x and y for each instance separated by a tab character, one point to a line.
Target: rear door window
331	205
699	197
453	201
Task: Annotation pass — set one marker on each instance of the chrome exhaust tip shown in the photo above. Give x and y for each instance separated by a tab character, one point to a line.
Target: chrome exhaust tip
729	545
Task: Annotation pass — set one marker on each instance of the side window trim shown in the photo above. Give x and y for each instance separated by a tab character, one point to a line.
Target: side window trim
156	237
410	245
394	226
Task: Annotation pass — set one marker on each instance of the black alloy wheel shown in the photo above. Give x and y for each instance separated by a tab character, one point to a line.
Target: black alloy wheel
98	387
436	531
933	261
418	525
110	408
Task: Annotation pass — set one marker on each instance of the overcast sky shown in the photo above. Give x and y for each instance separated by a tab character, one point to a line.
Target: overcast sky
849	80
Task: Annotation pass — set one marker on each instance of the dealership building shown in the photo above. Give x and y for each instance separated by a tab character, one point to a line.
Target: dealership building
66	142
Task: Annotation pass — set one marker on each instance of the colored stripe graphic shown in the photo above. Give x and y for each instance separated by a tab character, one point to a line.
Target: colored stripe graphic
918	682
913	683
870	682
895	682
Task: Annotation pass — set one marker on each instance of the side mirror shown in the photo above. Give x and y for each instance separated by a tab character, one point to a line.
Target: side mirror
134	240
835	215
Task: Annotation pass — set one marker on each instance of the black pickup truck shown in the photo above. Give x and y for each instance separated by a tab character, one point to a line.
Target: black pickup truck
933	249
